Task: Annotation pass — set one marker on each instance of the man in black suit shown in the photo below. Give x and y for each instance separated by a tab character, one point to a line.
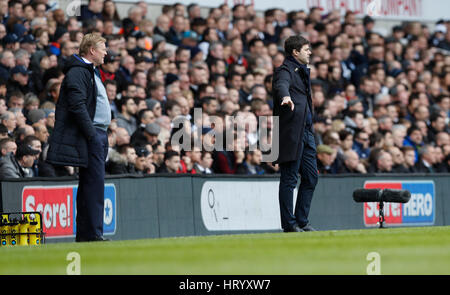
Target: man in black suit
426	160
297	149
252	164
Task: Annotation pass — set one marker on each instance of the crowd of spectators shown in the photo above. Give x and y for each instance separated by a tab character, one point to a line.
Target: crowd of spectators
381	102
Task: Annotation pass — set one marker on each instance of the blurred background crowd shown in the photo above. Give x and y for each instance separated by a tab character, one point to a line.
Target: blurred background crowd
381	102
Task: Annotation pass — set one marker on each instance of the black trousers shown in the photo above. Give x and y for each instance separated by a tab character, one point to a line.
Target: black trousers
306	165
91	189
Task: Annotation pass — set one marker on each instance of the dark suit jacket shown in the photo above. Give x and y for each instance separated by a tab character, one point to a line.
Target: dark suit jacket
291	79
421	168
345	169
244	169
400	169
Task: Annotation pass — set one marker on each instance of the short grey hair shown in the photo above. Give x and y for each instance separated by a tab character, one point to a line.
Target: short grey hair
6	116
21	53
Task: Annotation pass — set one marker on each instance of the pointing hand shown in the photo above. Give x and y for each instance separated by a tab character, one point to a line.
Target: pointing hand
288	101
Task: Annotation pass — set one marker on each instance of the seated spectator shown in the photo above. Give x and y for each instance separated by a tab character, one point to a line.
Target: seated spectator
352	163
18	81
36	116
149	164
189	159
388	139
122	136
224	162
383	163
18	166
141	164
437	125
398	160
9	120
354	121
154	106
7	146
409	155
346	140
7	62
41	132
426	160
252	164
385	123
447	162
146	134
171	163
40	167
122	161
3	131
442	139
21	132
398	134
414	139
125	118
320	126
92	10
439	160
361	144
204	166
158	155
325	158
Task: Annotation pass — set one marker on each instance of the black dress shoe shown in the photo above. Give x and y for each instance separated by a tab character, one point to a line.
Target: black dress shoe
308	227
95	239
294	229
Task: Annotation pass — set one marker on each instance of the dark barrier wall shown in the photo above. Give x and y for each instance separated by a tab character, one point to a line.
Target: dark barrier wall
170	206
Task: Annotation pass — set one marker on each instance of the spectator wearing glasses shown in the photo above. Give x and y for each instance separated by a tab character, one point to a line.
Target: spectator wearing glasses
414	139
361	144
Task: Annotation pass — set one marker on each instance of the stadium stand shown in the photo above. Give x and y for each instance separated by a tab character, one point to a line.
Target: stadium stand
187	78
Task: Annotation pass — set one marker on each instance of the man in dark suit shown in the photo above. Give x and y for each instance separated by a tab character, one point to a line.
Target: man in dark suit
297	149
252	164
80	138
426	160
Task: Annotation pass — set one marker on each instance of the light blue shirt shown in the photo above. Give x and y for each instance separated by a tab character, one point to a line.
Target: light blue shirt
102	117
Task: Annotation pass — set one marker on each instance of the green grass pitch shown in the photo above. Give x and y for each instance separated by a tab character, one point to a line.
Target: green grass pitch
419	250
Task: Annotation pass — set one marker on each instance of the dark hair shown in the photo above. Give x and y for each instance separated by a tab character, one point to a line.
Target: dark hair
123	101
122	149
155	85
141	114
412	129
12	3
204	153
207	100
170	104
110	82
29	139
169	154
343	134
232	74
254	41
294	42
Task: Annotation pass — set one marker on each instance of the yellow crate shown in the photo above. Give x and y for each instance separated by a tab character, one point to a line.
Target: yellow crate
21	229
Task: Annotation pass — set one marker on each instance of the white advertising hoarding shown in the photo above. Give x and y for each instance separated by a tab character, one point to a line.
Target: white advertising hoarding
241	205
